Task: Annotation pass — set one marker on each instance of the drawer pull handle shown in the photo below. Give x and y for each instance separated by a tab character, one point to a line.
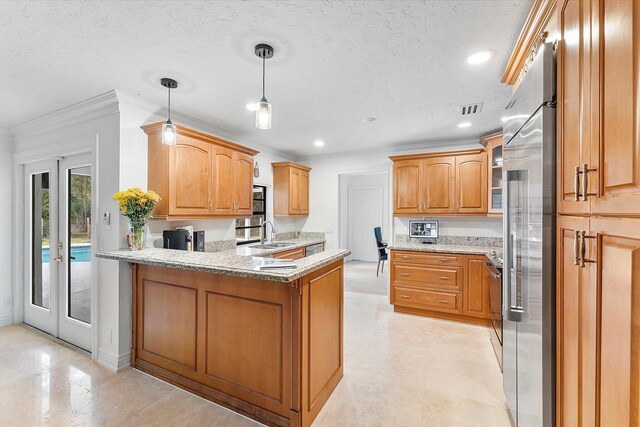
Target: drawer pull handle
443	301
444	259
444	278
405	256
404	296
405	274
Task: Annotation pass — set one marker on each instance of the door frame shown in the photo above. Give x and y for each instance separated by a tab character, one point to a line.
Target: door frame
350	190
54	150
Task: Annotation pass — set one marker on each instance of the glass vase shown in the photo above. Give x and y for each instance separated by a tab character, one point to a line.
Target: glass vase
137	234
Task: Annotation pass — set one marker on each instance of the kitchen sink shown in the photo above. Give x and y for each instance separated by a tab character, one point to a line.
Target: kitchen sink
273	245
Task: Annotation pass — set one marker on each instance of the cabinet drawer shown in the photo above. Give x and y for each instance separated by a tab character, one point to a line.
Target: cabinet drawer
447	302
291	254
426	258
445	278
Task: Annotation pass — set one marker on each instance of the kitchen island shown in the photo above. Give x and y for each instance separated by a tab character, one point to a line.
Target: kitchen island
265	343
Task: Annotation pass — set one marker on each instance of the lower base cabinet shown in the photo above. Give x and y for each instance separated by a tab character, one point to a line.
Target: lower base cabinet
448	286
598	322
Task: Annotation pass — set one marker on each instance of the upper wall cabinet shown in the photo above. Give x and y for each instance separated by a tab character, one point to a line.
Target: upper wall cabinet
493	145
440	183
290	189
599	129
199	177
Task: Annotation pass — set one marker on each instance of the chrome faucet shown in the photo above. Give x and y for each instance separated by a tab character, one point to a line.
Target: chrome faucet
263	232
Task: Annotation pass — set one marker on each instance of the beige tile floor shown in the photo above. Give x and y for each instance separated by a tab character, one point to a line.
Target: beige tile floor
400	370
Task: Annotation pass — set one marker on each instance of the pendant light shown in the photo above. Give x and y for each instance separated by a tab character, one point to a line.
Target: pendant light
169	132
263	110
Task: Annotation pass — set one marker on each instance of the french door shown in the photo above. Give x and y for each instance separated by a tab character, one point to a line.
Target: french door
58	250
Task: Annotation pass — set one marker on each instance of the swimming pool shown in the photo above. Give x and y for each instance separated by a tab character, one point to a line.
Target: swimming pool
81	253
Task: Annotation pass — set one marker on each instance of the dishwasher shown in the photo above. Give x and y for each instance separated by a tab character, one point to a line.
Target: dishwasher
314	249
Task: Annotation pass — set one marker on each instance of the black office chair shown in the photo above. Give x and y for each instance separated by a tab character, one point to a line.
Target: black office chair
382	249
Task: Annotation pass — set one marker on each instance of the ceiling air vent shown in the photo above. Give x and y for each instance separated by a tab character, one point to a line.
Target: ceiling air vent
470	109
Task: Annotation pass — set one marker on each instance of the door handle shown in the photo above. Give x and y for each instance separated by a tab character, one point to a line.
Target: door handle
576	184
405	274
585	182
404	296
576	247
444	278
58	258
583	249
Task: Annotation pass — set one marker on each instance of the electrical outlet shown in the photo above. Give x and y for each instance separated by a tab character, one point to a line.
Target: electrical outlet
109	337
8	301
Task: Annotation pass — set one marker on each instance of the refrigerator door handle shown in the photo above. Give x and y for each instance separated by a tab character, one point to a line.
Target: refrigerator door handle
514	307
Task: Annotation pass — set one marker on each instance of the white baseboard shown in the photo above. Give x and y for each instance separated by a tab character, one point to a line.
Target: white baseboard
113	363
6	320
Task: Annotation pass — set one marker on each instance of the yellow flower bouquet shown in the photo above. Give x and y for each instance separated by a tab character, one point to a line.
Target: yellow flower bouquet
137	205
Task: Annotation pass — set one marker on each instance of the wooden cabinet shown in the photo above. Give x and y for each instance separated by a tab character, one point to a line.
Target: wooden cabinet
598	308
471	184
449	286
598	135
298	253
199	177
290	189
493	145
449	183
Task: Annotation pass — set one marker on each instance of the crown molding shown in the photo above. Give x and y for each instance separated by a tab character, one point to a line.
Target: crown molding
92	108
153	113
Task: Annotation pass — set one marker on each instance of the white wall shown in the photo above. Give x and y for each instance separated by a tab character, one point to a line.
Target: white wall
325	195
6	227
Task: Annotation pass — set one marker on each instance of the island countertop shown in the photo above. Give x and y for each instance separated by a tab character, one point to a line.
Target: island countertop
228	263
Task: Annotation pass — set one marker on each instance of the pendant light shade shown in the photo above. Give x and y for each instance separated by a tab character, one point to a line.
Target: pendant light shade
169	131
263	112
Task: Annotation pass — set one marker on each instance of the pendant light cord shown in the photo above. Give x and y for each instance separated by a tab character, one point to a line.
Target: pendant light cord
263	59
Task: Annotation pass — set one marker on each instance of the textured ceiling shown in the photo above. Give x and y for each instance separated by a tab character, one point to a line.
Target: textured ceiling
336	63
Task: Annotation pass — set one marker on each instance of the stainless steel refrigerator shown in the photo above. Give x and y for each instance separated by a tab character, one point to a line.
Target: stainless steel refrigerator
529	245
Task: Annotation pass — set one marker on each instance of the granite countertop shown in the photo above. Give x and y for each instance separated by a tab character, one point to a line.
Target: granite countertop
229	262
251	250
441	248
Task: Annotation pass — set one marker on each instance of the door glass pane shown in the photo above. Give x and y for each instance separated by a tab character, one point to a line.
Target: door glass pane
40	277
79	248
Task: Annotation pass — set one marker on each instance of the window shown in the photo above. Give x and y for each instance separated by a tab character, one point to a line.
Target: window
248	229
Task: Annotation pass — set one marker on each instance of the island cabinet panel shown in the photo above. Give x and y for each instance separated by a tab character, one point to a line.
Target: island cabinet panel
268	350
199	177
290	189
322	338
449	286
447	183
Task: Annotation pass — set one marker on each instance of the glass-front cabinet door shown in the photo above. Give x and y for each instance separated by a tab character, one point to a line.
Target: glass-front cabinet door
493	146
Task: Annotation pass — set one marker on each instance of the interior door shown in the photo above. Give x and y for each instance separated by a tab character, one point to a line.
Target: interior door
41	249
59	248
365	207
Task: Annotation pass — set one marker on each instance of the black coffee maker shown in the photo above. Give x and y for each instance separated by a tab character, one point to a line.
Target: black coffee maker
176	239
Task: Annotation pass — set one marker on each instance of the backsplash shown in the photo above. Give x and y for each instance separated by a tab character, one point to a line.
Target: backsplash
452	240
220	245
299	235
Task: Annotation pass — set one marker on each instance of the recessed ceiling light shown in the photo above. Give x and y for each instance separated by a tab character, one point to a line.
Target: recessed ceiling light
479	57
464	124
252	106
318	143
369	119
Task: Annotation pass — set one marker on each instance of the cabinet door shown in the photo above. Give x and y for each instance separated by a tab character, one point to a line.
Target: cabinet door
494	175
616	276
294	190
476	287
189	177
407	177
243	184
471	183
223	181
615	149
576	329
304	192
439	189
574	123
